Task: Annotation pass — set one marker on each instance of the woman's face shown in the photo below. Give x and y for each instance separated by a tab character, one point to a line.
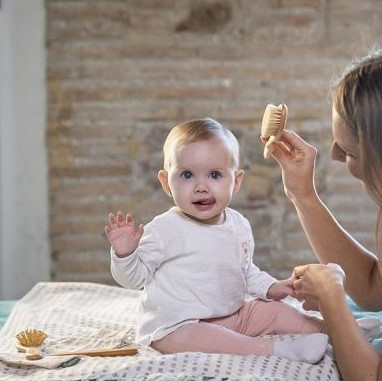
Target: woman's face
345	147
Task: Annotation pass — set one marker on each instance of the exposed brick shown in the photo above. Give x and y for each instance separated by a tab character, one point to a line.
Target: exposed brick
121	73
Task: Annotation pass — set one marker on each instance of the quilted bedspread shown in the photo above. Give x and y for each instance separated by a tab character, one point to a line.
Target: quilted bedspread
88	315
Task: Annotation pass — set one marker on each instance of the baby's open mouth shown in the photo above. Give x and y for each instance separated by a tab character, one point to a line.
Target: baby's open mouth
205	201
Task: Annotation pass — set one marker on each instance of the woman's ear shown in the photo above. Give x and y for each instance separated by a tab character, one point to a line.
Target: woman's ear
238	180
163	179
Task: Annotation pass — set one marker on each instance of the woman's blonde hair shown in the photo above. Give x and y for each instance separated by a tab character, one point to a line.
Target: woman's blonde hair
357	97
197	130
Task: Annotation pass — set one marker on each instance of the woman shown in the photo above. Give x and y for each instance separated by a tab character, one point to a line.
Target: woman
346	266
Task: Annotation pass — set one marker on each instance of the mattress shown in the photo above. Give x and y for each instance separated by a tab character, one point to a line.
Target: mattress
94	315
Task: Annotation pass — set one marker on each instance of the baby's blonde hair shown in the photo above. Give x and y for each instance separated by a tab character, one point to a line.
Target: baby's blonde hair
197	130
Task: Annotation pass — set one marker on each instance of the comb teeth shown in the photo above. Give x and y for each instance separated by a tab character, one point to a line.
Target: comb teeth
274	120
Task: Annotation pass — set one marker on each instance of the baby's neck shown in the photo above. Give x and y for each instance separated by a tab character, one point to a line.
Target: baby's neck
220	220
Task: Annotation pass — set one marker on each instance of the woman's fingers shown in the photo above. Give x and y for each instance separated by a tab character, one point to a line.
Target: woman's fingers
298	271
291	146
292	140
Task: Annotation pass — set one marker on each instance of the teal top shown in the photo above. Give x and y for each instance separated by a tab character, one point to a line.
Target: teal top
5	309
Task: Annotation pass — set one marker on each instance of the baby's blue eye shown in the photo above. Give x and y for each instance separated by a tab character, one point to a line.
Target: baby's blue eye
215	175
186	175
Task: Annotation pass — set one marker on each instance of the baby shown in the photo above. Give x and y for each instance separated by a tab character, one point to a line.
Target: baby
200	288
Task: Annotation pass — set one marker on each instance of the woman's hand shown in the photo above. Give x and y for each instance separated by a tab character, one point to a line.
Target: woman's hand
123	234
315	283
296	159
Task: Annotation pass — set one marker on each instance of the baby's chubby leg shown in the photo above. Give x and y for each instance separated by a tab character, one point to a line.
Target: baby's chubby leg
258	317
212	338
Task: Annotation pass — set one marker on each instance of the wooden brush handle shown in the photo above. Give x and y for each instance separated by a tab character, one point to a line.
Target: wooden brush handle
102	352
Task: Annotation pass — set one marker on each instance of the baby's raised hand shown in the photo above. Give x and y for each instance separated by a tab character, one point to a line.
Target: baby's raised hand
123	233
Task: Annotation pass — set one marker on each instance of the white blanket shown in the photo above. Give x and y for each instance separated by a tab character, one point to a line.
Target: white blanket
87	315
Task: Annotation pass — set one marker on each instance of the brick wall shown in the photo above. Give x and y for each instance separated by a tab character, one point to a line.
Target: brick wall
121	73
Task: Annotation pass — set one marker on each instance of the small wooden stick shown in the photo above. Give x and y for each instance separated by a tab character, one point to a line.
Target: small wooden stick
35	354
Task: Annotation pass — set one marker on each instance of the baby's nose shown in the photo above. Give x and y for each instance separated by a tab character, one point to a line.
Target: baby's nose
201	187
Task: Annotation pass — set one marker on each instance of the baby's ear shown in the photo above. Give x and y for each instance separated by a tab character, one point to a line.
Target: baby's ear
163	179
238	180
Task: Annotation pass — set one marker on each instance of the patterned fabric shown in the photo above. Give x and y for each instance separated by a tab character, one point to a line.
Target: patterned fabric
87	315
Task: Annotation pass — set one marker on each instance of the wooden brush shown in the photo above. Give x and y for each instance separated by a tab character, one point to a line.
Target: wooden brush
36	354
31	337
31	340
273	124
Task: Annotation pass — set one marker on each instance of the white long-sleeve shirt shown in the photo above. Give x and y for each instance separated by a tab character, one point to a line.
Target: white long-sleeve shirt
190	271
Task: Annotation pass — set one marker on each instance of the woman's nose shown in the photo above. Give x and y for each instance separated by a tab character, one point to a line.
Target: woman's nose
337	154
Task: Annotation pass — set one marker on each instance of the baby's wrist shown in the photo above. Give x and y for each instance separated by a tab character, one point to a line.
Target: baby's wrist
271	289
122	255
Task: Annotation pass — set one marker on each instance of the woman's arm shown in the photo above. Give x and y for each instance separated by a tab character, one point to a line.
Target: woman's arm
355	357
321	286
329	241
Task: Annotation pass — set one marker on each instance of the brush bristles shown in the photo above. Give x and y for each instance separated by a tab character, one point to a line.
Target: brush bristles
274	120
31	337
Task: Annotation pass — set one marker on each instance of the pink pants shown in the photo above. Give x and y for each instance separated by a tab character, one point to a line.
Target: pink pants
236	334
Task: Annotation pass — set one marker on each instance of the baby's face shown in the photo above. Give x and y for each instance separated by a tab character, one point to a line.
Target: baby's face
203	178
